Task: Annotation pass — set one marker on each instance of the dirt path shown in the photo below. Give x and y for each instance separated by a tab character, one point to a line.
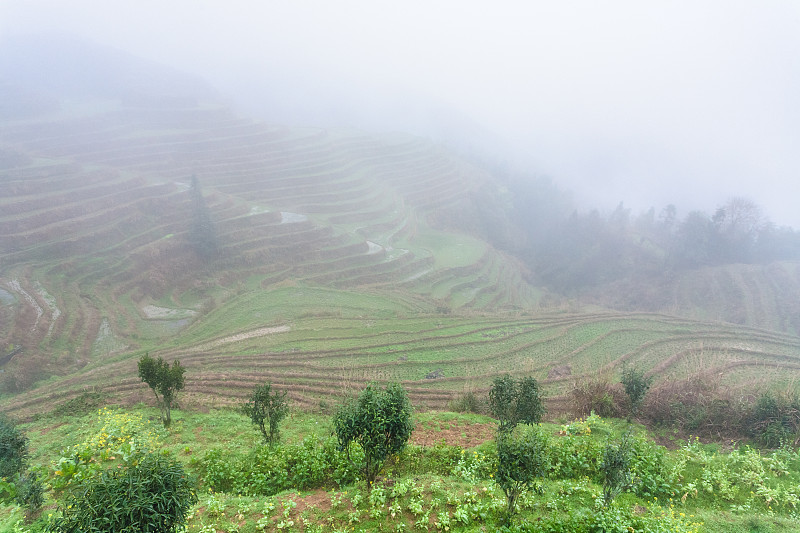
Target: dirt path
262	332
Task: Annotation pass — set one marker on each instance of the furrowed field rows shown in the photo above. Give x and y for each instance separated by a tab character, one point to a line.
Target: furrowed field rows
320	359
98	214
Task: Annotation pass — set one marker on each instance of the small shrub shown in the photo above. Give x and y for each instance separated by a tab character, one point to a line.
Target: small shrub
152	495
30	493
652	473
636	385
13	449
266	409
379	422
615	468
467	402
697	405
576	456
522	458
118	437
513	402
266	471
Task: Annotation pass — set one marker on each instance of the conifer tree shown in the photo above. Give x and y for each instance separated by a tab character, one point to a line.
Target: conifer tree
202	234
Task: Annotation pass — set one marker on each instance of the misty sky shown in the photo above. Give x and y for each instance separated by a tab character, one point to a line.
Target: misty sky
643	102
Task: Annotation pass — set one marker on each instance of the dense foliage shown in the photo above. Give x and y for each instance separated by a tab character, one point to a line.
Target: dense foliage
115	438
265	471
379	423
570	250
775	420
17	483
13	448
151	495
164	380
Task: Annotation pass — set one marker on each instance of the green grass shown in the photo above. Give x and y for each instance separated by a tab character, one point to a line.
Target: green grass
453	486
257	308
337	337
450	250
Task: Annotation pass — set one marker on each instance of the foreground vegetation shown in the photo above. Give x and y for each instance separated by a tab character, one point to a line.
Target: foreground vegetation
307	483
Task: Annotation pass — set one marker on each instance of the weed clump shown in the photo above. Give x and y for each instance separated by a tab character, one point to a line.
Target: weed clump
467	402
597	396
775	420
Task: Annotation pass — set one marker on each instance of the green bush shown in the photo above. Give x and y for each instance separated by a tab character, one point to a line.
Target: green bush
774	420
467	402
30	493
379	423
652	474
152	495
614	519
615	467
13	449
266	471
576	456
515	401
266	409
117	437
522	458
636	386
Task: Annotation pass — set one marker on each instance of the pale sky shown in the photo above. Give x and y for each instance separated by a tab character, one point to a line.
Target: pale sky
650	103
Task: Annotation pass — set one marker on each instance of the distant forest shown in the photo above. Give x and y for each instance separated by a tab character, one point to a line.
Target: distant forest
568	250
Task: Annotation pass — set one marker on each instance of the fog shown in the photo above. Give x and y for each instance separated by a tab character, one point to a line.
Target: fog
648	103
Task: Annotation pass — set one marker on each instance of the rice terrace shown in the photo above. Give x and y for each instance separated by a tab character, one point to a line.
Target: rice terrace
154	219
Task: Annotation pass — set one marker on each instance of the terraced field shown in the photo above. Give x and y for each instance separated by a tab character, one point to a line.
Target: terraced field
331	343
96	210
764	296
337	267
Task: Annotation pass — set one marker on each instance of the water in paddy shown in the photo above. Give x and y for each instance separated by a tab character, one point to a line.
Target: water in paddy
6	298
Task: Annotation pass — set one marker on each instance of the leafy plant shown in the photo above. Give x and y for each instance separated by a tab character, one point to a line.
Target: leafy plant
379	422
152	495
30	493
636	386
616	468
13	449
522	458
515	401
270	470
119	436
266	409
164	380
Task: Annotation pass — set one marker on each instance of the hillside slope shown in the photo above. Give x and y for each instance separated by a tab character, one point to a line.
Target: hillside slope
97	213
342	258
764	296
